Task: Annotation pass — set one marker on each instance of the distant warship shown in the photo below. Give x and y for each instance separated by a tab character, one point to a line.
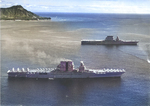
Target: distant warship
64	70
109	41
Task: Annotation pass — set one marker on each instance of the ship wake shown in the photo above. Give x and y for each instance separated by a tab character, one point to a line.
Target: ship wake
148	60
148	52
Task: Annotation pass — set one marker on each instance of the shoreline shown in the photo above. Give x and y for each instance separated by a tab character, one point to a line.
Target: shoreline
23	20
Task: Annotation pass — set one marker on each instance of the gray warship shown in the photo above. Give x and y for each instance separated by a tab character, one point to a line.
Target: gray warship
109	41
64	70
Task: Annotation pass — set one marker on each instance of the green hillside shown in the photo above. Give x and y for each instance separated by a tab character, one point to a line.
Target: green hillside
18	12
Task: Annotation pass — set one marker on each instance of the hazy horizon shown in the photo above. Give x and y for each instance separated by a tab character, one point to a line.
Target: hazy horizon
88	6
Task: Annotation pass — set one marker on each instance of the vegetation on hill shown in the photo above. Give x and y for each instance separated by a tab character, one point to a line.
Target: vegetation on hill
18	13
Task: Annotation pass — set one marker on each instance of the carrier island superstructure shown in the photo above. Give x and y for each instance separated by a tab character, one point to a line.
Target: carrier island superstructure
65	70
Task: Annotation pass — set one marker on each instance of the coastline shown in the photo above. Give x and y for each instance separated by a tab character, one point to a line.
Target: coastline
24	20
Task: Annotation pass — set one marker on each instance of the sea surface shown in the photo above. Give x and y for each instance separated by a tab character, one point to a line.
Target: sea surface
43	44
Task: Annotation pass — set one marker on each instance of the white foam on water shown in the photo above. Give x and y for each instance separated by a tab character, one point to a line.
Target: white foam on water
148	60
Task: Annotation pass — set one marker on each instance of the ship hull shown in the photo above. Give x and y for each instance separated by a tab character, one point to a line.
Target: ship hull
109	42
64	75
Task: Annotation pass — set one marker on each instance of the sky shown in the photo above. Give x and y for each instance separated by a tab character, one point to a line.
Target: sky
82	6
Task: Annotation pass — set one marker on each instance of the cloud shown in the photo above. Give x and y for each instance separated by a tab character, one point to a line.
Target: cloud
5	4
95	6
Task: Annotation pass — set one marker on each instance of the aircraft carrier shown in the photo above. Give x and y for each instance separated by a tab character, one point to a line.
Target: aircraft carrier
64	70
109	41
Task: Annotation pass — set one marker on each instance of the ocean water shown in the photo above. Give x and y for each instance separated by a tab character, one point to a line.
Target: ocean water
38	44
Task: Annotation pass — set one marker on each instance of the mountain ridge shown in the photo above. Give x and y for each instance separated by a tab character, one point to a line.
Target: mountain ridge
19	13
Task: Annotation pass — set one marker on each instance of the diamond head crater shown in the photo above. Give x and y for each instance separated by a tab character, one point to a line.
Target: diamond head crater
19	13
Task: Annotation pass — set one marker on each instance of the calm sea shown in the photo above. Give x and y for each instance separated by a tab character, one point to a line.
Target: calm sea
36	44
